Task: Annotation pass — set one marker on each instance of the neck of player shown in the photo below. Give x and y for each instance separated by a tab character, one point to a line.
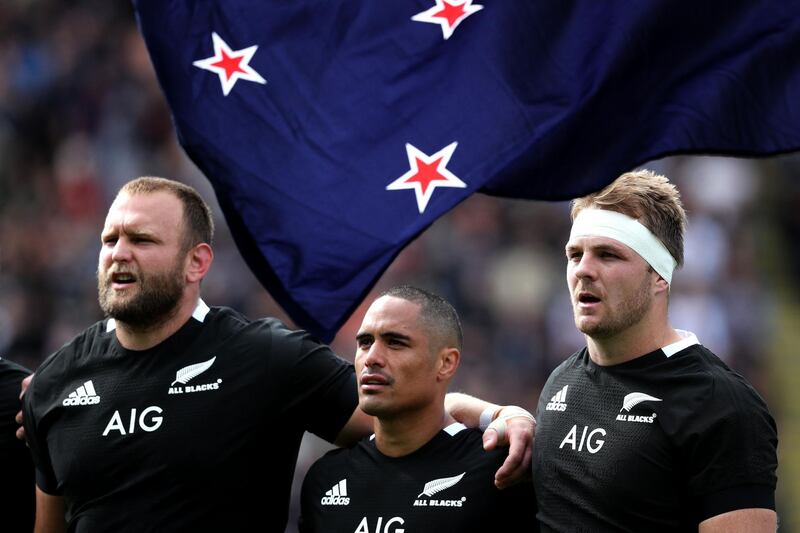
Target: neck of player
403	434
133	337
652	332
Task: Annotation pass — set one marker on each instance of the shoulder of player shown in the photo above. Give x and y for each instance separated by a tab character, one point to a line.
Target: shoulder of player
698	390
263	332
460	443
331	464
11	371
711	380
570	363
83	347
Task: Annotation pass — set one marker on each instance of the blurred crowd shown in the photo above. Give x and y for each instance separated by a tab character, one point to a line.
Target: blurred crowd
81	113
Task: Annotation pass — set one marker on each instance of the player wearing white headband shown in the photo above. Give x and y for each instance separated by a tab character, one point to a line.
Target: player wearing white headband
645	429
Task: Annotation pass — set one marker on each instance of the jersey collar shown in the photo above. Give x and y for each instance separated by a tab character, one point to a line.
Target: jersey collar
198	314
688	339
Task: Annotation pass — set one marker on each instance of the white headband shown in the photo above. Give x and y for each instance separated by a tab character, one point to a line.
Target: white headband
628	231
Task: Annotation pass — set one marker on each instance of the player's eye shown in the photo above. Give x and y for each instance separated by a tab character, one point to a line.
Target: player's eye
364	342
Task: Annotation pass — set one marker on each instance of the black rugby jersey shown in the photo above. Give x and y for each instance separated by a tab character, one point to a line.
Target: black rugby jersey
17	496
200	433
446	485
659	443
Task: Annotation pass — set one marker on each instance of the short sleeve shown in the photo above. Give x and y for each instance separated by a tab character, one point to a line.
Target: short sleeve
17	481
37	439
320	386
729	450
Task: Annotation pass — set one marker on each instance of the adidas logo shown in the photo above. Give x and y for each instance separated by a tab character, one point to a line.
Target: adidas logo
558	402
337	495
83	395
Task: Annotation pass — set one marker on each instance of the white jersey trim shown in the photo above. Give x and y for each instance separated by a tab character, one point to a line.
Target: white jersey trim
454	428
451	430
689	339
201	310
198	314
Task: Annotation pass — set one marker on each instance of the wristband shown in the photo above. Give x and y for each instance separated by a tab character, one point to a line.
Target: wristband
511	411
486	417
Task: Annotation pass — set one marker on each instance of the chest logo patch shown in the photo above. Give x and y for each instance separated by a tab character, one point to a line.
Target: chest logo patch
559	401
83	395
337	495
188	373
438	485
632	400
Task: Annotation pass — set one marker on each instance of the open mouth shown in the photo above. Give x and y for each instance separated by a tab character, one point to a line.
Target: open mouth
586	298
123	278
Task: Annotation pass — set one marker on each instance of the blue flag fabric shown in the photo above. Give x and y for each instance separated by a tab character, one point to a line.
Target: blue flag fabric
334	132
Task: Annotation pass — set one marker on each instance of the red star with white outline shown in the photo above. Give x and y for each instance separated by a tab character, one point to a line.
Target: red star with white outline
427	172
448	14
230	65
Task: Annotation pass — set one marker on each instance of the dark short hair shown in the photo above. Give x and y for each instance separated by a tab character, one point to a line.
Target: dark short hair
436	313
199	224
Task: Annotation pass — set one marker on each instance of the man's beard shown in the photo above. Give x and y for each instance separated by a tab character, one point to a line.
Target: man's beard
626	315
156	299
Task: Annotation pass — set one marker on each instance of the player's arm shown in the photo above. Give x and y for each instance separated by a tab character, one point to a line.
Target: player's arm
358	426
49	513
509	424
23	387
741	521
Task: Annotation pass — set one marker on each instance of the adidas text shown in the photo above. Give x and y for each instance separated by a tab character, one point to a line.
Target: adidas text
335	500
337	495
83	395
559	401
82	400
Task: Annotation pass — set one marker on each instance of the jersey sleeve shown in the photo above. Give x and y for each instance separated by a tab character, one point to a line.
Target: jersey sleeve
320	387
309	508
17	481
37	439
729	448
11	375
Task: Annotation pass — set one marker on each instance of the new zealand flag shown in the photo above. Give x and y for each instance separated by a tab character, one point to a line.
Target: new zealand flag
335	131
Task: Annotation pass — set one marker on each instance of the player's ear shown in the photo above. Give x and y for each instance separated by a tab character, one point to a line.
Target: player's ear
198	261
448	361
661	285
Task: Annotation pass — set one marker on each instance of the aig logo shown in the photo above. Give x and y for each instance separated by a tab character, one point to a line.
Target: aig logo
391	525
148	420
590	439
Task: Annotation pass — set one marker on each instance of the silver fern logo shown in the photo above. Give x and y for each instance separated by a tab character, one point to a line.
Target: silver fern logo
435	486
192	371
632	400
635	398
187	373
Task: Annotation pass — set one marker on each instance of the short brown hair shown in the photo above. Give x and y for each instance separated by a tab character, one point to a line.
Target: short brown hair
196	213
647	197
